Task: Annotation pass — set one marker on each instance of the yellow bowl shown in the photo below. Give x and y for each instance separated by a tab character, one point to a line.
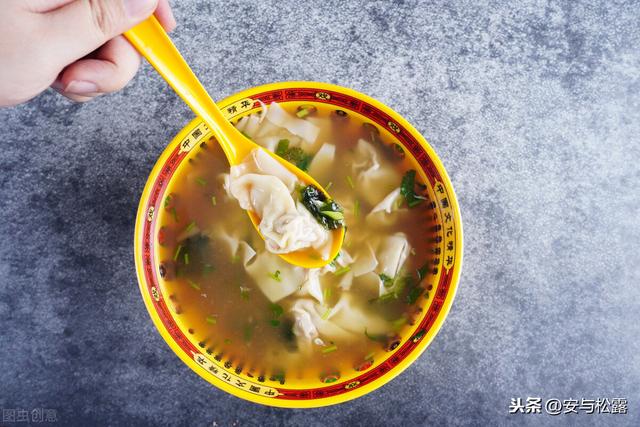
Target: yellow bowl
446	235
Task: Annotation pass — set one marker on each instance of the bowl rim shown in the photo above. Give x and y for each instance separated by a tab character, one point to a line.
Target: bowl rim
143	214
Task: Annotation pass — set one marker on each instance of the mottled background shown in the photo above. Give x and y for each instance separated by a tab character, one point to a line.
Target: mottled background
534	108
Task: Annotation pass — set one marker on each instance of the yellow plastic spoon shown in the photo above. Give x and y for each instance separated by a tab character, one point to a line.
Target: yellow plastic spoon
154	44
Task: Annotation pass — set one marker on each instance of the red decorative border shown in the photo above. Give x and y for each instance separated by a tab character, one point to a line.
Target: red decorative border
373	114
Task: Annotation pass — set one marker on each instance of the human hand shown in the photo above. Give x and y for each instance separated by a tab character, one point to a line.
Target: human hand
74	46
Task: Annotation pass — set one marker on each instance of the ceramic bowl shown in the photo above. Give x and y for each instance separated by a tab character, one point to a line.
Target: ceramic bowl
444	229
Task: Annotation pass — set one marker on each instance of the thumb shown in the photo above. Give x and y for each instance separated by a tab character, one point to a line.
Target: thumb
82	26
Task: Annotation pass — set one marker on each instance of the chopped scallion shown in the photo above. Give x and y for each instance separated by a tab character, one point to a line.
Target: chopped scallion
341	271
212	320
350	181
190	226
201	181
328	186
356	208
337	215
177	253
186	258
213	200
305	110
194	285
329	349
276	276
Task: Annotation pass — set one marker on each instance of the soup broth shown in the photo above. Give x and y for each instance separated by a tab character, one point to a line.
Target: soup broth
282	323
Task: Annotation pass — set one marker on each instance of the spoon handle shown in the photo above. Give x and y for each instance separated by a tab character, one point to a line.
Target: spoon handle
152	41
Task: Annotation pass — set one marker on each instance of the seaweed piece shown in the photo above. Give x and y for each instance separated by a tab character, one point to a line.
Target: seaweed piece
193	255
327	212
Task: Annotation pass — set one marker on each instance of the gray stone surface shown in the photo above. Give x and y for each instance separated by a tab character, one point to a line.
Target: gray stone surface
534	107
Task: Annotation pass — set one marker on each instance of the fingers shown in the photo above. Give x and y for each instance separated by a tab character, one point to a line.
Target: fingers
165	15
109	69
42	6
82	26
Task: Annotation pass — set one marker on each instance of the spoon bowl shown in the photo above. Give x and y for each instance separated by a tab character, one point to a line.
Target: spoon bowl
151	40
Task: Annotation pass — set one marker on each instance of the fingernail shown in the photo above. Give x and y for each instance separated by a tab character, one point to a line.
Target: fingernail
139	9
81	87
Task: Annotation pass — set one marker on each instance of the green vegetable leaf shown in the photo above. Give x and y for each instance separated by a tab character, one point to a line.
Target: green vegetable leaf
282	147
276	310
407	189
386	280
422	271
414	294
295	155
327	212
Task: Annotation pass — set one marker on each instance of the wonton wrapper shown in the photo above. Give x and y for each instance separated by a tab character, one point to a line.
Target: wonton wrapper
387	213
309	324
260	163
365	261
392	253
235	246
263	186
352	315
367	286
373	176
265	265
320	167
303	128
